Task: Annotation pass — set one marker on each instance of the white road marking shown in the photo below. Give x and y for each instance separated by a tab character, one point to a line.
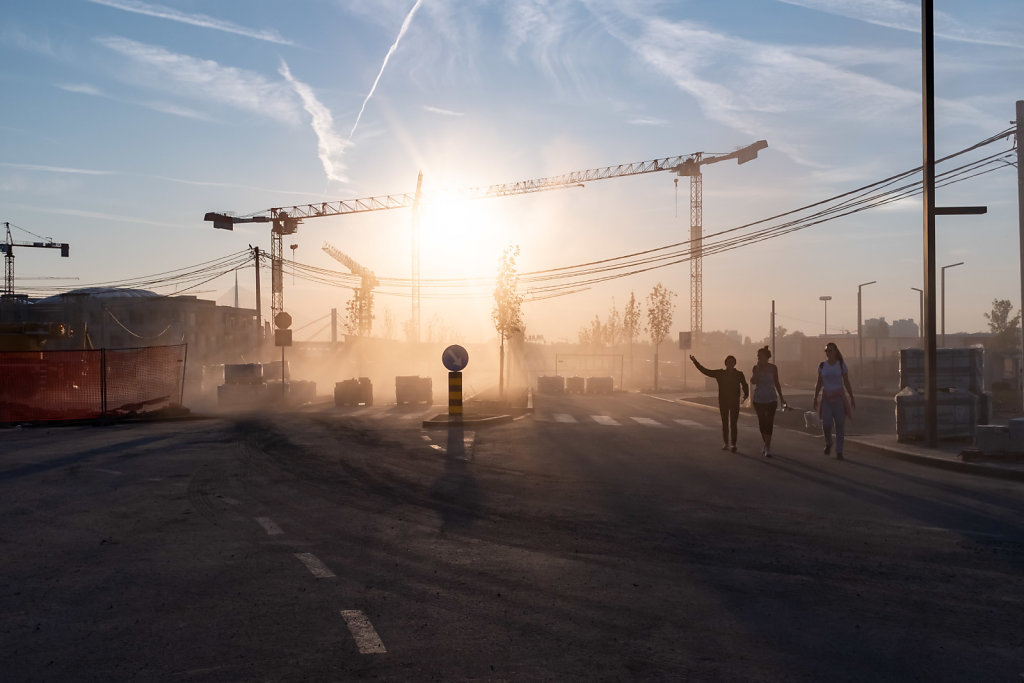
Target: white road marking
691	423
314	565
647	422
563	417
367	640
100	469
605	420
269	526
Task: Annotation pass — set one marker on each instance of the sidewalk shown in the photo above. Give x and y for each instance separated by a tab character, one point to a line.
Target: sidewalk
946	456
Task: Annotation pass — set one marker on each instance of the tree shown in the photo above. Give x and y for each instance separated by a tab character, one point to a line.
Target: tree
507	314
631	324
1005	330
659	320
613	328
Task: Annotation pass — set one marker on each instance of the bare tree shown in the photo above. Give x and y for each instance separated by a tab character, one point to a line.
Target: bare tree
631	324
507	314
659	320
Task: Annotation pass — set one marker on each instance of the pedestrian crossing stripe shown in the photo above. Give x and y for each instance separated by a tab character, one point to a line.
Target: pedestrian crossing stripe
605	420
647	422
563	417
691	423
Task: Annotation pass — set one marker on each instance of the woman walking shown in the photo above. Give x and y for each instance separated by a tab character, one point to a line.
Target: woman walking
730	381
766	397
833	377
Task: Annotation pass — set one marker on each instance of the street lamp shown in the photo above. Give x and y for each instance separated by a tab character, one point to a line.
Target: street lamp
826	299
951	265
860	330
920	314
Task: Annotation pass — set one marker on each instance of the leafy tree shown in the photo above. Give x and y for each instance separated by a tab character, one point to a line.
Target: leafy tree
659	320
508	313
613	327
1005	330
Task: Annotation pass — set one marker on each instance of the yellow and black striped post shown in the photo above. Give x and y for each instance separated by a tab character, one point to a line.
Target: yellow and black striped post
455	398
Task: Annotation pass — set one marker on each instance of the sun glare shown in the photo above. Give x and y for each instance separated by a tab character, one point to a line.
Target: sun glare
459	238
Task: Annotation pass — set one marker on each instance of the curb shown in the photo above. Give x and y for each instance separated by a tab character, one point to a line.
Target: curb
917	458
441	421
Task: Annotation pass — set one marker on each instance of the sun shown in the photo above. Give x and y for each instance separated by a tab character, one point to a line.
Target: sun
460	238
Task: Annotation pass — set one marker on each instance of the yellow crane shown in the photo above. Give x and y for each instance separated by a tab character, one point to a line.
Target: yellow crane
361	307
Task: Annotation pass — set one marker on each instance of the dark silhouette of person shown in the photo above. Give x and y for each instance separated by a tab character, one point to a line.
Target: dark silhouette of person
730	382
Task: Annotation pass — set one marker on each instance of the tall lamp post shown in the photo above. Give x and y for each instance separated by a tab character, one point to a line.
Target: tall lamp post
920	319
826	299
860	330
943	286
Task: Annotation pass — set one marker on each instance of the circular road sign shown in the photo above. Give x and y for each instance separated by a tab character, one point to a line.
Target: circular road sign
455	358
283	320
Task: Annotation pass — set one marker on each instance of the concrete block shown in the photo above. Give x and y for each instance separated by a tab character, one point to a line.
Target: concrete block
992	439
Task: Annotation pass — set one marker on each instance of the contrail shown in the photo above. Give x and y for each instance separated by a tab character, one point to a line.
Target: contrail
394	46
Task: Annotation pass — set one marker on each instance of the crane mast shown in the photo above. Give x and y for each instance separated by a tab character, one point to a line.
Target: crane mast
286	219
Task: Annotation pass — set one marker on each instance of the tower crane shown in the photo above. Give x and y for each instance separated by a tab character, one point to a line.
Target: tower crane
286	219
362	305
7	247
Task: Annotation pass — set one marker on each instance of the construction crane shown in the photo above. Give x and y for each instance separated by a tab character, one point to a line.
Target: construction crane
7	247
362	305
286	219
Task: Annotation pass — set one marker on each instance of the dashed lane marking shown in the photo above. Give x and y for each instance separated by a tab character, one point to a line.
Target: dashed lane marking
691	423
605	420
269	526
367	640
647	422
563	417
314	565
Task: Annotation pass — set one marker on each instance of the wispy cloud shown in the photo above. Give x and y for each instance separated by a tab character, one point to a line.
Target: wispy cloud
201	20
391	51
442	112
206	80
644	121
906	16
330	146
55	169
164	107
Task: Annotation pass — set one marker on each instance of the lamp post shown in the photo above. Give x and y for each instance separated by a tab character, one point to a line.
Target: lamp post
826	299
951	265
860	330
920	318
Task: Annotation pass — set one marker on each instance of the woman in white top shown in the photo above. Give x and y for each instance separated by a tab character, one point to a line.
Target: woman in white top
833	377
766	396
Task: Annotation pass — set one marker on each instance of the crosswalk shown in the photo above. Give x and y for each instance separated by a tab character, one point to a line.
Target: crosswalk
609	421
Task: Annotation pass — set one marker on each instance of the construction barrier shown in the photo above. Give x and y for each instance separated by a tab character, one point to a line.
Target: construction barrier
81	385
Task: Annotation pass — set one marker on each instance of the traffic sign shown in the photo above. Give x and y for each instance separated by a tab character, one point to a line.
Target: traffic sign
283	320
455	358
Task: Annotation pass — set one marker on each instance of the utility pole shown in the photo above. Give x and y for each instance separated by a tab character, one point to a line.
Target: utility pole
259	321
931	413
1020	227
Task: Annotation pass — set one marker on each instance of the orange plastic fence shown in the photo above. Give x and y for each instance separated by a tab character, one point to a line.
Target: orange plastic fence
76	385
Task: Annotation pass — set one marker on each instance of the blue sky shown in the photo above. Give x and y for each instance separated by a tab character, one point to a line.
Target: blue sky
125	121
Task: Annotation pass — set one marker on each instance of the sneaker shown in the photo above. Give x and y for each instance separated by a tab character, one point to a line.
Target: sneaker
725	446
828	448
733	449
839	456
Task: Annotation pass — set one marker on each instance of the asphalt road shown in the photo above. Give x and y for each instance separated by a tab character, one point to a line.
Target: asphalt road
602	538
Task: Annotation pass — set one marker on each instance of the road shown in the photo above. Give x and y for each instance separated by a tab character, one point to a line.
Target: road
601	538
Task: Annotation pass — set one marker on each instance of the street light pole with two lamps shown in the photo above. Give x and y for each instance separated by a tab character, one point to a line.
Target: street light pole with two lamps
860	331
951	265
920	319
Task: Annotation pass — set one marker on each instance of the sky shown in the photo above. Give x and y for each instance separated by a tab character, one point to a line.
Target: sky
125	121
